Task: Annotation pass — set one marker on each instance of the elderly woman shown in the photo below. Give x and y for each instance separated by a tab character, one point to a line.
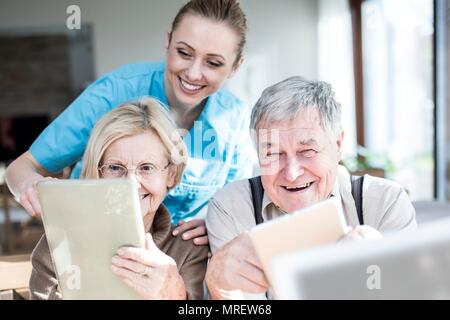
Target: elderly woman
138	141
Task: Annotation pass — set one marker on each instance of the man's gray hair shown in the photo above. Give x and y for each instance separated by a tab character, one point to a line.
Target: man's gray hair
286	99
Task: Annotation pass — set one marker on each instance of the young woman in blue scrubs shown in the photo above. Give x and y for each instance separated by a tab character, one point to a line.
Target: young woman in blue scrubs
204	48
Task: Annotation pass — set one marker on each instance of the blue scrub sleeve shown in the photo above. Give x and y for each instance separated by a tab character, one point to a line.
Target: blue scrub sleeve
63	142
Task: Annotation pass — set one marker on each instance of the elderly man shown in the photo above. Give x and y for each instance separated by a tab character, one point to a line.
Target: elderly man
299	139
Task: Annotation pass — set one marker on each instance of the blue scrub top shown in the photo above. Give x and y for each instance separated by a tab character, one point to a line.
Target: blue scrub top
219	145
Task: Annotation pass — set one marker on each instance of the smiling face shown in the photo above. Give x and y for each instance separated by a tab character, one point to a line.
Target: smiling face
135	151
201	55
299	161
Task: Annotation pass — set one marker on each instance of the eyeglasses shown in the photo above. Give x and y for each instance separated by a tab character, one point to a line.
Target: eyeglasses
144	171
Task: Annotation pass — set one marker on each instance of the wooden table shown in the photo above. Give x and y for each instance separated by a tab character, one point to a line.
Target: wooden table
15	272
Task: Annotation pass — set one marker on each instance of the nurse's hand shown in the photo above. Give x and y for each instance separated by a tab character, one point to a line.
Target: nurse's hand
21	176
29	199
149	272
193	229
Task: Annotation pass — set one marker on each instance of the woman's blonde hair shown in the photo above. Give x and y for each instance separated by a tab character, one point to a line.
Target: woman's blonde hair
131	119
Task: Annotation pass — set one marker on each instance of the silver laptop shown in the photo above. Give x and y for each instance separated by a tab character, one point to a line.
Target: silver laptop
405	265
85	222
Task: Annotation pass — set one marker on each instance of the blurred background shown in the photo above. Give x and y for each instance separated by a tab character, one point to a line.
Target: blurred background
386	59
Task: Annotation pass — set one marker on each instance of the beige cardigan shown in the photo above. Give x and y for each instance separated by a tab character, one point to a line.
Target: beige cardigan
191	261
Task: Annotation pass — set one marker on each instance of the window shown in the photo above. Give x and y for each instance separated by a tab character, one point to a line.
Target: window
398	73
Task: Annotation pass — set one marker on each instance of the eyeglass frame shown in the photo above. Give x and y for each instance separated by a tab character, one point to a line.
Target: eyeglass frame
135	169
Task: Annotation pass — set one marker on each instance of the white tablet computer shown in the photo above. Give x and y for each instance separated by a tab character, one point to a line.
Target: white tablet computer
85	222
404	265
317	225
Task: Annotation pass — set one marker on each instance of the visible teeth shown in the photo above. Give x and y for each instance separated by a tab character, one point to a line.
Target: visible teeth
305	185
299	187
190	86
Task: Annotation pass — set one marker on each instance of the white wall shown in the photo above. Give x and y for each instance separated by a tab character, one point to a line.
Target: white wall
282	42
282	39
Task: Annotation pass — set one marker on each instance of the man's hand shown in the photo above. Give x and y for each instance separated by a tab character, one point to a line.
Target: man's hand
193	229
235	266
360	233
